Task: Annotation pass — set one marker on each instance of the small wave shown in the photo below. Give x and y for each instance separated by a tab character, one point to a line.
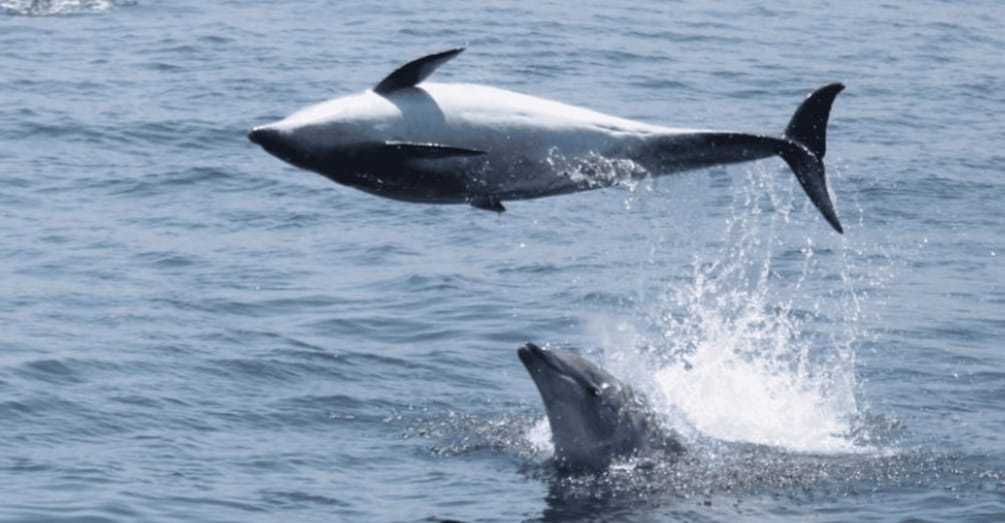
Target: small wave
61	7
710	470
292	499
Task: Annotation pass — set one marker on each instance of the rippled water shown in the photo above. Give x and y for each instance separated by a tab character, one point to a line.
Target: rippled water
193	330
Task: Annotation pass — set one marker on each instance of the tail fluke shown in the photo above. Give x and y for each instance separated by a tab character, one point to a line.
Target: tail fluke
805	145
808	125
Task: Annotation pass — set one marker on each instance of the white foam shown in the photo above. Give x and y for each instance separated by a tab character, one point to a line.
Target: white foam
727	398
539	437
737	354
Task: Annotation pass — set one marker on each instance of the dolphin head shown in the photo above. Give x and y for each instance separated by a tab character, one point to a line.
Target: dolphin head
279	143
367	141
331	137
593	417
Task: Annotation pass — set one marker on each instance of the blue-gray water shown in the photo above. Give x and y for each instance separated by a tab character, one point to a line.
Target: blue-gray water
194	331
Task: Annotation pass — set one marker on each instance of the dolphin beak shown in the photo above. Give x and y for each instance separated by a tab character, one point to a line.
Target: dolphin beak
530	354
275	142
263	136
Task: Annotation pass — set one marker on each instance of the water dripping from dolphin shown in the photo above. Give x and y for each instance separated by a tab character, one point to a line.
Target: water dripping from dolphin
412	140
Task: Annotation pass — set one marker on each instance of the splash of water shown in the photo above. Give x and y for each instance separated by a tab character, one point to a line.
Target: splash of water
745	348
594	170
539	437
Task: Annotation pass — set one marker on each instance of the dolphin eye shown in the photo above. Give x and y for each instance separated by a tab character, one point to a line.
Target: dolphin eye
599	390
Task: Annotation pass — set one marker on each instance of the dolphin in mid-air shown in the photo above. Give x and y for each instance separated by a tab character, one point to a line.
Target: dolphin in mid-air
419	141
594	418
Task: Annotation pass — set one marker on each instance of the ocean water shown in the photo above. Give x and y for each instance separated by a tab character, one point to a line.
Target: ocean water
193	330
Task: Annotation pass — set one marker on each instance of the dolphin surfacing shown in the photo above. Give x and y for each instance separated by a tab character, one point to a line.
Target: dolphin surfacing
419	141
594	418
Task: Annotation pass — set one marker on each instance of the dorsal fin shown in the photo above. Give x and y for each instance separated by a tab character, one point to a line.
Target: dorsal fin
414	72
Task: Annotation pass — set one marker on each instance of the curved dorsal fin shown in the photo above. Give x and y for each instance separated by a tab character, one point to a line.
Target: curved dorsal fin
414	72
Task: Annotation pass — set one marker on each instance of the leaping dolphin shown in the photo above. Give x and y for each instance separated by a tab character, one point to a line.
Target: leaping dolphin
419	141
594	418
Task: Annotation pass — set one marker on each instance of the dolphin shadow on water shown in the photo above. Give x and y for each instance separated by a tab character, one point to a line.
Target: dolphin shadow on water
417	141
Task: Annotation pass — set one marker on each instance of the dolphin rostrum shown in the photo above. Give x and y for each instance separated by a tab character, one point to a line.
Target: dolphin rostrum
594	418
419	141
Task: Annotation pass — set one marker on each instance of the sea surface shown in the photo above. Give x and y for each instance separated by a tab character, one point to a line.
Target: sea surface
193	330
